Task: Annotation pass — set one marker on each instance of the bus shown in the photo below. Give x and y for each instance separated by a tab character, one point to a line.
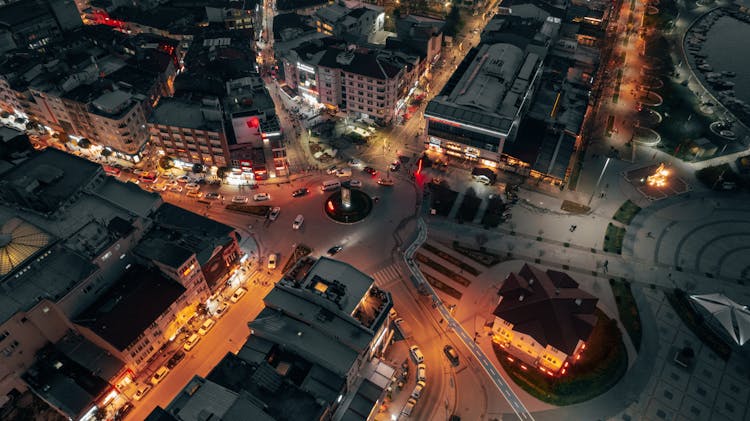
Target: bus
113	171
147	177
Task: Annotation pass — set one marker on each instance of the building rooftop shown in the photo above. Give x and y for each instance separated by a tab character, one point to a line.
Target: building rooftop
490	90
63	383
365	64
277	388
17	13
19	241
333	277
122	313
184	113
89	356
203	399
288	26
129	197
547	306
194	232
47	180
304	340
113	103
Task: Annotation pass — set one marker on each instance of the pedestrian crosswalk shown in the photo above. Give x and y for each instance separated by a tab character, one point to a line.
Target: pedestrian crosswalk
387	275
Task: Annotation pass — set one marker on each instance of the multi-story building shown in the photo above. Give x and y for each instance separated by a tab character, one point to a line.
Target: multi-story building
35	23
353	24
190	131
543	319
82	243
361	84
481	106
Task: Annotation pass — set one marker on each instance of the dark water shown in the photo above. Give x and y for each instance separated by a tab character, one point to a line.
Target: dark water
728	48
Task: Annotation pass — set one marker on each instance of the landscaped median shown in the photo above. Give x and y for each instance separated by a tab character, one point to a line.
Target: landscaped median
261	211
613	239
628	310
626	212
601	366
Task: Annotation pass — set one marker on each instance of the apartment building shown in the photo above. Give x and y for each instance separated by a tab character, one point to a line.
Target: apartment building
191	131
361	84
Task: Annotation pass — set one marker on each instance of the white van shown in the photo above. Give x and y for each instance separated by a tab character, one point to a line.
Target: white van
191	342
330	185
409	407
416	354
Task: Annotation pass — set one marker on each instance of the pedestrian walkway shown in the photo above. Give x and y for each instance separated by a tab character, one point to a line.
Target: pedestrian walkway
387	275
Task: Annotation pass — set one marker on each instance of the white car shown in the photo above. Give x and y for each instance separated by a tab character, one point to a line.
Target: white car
141	392
238	294
332	170
272	261
206	326
297	224
422	373
354	163
274	213
259	197
160	374
239	199
176	189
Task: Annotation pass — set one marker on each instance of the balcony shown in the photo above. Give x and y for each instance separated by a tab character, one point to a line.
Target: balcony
372	307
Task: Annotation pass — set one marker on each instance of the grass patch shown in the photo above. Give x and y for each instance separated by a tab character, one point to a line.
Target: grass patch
628	310
451	259
480	255
697	324
613	239
249	209
627	212
421	258
442	286
601	366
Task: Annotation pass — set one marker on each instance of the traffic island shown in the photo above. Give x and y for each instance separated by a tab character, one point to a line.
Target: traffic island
355	209
599	369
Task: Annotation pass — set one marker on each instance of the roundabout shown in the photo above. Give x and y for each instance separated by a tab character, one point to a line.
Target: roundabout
348	210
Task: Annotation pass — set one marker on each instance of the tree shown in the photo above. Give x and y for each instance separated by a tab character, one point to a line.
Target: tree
197	168
222	172
106	153
166	163
454	22
84	143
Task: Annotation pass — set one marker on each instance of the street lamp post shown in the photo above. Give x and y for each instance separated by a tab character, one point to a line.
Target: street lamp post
601	175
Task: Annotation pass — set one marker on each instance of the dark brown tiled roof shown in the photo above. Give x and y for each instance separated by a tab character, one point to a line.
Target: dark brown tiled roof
365	64
544	305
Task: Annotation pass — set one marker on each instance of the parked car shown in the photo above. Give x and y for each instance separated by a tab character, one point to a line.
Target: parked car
274	213
370	170
416	353
259	197
421	372
395	166
195	194
206	327
213	196
238	294
141	392
183	179
221	309
176	189
175	359
297	224
344	172
192	187
355	184
159	375
332	170
123	411
417	392
239	199
191	342
272	261
300	192
451	354
386	182
354	163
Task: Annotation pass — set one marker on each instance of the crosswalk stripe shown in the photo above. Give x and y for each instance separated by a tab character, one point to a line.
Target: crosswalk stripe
387	274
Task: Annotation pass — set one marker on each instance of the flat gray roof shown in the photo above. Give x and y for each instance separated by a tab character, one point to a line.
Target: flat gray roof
129	196
357	283
304	341
490	91
182	113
